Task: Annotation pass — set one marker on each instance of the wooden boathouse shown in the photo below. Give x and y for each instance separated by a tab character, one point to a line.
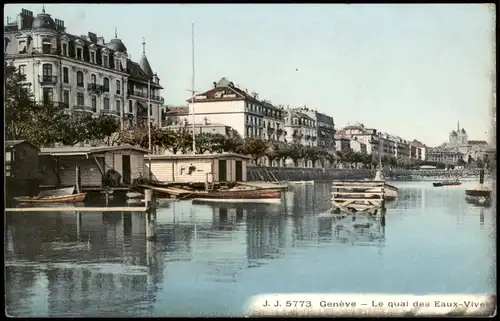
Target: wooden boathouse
21	168
198	168
95	166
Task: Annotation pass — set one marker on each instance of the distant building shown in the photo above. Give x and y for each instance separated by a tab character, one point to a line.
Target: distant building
358	146
418	150
325	128
471	150
227	104
367	136
206	127
342	143
176	115
447	156
300	128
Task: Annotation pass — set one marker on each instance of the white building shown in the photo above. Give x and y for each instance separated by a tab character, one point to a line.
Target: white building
367	136
325	128
81	73
300	128
227	104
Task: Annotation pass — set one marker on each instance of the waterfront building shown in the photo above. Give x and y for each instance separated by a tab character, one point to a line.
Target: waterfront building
226	103
81	73
417	150
21	168
175	115
325	129
58	165
357	146
458	141
300	128
447	156
342	143
202	128
367	136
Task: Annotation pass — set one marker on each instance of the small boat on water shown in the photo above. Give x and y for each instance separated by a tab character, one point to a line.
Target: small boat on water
62	195
237	195
447	183
481	194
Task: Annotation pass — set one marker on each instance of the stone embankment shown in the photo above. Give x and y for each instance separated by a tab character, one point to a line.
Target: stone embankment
260	173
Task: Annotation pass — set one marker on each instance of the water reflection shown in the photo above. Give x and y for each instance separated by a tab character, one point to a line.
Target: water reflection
219	254
356	229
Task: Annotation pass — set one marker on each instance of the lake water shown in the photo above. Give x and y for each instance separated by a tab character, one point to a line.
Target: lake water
209	260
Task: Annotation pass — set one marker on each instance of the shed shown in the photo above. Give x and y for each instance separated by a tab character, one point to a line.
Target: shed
59	165
21	159
199	168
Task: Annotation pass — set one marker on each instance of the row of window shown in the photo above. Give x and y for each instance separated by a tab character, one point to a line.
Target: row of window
254	108
47	48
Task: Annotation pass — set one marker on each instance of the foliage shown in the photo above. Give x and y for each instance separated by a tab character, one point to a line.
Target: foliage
296	152
48	123
255	147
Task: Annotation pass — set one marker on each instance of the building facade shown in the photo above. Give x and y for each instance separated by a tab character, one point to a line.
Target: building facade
80	73
418	150
300	128
448	156
325	129
227	104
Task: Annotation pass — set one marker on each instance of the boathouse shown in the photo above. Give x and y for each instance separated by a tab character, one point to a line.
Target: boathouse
198	168
94	165
21	168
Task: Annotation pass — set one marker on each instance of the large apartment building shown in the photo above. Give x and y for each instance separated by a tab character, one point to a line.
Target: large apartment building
227	104
82	73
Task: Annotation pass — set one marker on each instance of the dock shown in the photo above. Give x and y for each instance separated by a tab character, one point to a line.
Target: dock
358	197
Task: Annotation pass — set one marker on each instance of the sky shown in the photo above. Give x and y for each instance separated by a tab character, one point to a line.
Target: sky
409	70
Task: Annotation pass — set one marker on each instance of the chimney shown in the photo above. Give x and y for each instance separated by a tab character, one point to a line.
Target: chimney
215	84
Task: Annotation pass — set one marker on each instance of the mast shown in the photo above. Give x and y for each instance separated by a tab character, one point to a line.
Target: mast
192	88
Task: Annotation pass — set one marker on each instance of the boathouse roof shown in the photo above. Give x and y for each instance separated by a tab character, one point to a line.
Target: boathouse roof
199	156
14	143
71	151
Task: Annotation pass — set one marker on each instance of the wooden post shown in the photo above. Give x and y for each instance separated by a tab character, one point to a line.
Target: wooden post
148	199
150	202
78	179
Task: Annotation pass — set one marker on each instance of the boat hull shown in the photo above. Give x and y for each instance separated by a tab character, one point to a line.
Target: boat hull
52	199
478	193
240	196
441	184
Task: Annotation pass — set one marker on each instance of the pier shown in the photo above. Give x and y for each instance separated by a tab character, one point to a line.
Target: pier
358	197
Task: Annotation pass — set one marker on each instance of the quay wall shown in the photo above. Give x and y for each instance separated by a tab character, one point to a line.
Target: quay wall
262	173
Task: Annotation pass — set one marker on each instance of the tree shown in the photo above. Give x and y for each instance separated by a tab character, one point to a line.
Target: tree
255	147
296	152
313	154
18	105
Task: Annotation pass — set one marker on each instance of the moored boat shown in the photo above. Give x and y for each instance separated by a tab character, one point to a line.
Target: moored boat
239	196
80	197
447	183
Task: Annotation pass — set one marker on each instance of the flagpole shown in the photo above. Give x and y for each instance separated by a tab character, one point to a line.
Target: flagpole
192	88
149	125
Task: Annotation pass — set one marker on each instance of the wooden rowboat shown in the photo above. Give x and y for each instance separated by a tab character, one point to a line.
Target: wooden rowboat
52	199
446	183
239	196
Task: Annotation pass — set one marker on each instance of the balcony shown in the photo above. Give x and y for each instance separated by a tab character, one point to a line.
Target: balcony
270	129
47	80
80	84
145	95
110	112
84	108
95	88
